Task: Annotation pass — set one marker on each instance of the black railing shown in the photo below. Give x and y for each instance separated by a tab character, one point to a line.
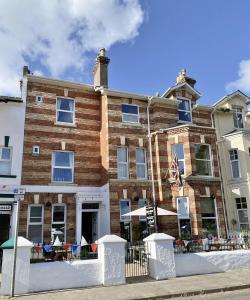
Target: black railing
48	253
136	260
212	244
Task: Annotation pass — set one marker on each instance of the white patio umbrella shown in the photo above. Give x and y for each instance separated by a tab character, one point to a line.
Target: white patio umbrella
83	241
142	212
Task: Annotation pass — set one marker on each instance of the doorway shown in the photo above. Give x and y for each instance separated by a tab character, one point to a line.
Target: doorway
89	226
4	227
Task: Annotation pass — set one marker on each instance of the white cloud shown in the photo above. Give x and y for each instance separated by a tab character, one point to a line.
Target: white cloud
57	35
243	83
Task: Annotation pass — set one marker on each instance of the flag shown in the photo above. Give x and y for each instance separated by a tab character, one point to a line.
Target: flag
176	170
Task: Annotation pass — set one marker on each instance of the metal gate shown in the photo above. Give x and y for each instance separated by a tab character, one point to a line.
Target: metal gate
137	260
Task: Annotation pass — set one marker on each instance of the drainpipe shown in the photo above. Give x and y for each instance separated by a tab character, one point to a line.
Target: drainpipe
220	174
151	166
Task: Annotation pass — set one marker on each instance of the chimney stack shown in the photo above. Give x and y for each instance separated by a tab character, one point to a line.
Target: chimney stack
26	70
182	77
100	71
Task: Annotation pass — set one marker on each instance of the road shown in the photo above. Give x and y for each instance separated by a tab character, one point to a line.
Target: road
233	295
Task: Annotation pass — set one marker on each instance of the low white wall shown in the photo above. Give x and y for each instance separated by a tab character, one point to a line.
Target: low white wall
65	274
211	262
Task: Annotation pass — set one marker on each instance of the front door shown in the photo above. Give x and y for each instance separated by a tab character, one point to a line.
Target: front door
4	227
89	226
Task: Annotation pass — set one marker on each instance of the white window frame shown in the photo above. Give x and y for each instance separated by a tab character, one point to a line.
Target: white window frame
190	111
142	164
35	223
67	111
53	166
211	159
35	150
138	115
122	163
6	160
177	205
183	160
216	214
231	161
242	209
64	222
236	112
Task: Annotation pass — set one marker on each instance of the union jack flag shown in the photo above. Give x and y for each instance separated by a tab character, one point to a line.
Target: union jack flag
176	170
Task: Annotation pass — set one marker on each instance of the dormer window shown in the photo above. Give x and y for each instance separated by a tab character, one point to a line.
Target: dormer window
237	116
184	110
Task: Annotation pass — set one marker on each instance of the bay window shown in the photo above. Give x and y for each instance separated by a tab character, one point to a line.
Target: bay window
208	216
203	160
62	166
241	206
178	149
237	116
65	110
184	110
235	163
183	217
58	222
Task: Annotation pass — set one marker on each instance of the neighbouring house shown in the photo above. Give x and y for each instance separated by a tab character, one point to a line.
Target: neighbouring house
86	160
12	112
232	122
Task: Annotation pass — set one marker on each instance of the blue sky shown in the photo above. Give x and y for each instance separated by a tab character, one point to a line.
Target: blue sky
148	42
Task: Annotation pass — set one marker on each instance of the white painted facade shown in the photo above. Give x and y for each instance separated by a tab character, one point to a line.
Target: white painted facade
12	116
232	138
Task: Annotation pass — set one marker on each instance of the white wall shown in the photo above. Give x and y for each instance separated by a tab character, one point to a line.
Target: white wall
211	262
56	275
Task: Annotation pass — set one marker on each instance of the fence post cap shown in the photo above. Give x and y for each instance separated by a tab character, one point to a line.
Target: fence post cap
158	237
111	238
21	242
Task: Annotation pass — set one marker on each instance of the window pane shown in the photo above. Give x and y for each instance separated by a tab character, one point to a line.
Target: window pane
203	168
182	204
125	230
233	154
63	159
178	150
35	233
235	169
65	104
142	203
184	116
244	227
5	167
66	117
209	227
207	207
184	105
202	151
181	167
130	109
122	154
124	208
140	171
122	171
6	153
185	228
58	230
58	213
36	212
130	118
243	217
140	155
62	175
240	121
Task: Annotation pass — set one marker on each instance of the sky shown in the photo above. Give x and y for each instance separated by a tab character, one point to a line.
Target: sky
148	43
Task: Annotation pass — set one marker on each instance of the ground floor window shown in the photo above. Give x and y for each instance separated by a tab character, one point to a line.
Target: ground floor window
58	228
125	221
35	223
183	217
143	227
241	205
208	216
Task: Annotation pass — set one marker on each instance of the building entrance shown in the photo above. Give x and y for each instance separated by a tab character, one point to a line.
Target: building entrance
89	226
4	227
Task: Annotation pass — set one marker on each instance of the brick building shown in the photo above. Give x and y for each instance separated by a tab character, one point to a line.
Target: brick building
86	159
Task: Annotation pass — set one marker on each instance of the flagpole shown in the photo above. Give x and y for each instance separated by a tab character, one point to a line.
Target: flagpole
152	168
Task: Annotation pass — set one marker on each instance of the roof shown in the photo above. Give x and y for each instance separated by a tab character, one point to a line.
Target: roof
228	97
10	99
179	85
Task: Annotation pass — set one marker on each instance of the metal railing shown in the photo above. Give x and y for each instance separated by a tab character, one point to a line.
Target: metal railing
136	260
49	253
211	244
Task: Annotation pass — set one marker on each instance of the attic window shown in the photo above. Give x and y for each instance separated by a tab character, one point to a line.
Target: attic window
184	110
237	116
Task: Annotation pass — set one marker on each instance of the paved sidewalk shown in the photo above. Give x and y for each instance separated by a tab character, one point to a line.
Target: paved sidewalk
163	289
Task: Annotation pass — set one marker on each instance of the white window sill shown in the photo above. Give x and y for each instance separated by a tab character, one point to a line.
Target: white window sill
184	122
132	124
63	183
65	124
